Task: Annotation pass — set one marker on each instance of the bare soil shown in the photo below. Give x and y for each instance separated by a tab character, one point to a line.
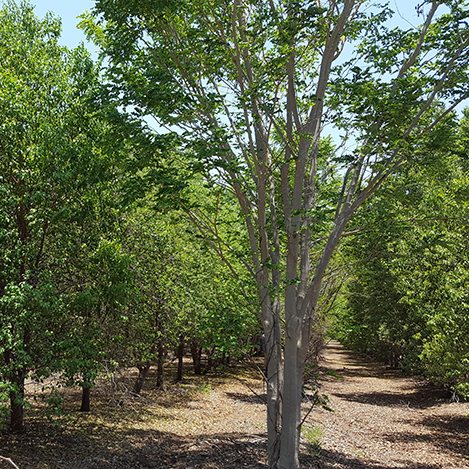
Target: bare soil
381	419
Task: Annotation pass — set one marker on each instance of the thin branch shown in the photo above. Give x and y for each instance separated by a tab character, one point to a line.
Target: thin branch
8	460
420	42
437	88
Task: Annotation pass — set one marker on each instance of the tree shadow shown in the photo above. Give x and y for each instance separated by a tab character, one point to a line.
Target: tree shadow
415	396
352	364
336	460
114	448
449	434
248	398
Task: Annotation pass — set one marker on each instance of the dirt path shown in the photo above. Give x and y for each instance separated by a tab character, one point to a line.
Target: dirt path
383	419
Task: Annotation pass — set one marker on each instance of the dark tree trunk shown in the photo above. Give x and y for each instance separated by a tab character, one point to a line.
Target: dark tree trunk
16	402
143	370
196	353
180	357
85	399
160	363
210	360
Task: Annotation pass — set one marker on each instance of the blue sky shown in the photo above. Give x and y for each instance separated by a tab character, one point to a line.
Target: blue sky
69	10
72	36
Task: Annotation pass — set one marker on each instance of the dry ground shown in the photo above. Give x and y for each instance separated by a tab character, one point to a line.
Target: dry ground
381	420
385	420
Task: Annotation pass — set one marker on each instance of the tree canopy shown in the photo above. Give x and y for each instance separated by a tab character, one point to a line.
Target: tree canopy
249	87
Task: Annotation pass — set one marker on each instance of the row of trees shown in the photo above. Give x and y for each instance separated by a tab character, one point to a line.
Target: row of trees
241	92
247	86
406	300
85	282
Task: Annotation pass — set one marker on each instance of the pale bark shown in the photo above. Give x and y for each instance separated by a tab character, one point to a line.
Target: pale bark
294	161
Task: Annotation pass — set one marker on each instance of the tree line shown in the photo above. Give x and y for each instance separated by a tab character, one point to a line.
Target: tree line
88	279
405	300
120	241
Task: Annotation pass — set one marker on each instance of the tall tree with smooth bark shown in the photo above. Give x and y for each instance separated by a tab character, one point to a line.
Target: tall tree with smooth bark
250	86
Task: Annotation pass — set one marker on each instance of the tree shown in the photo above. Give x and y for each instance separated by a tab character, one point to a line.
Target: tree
250	85
55	165
182	293
406	301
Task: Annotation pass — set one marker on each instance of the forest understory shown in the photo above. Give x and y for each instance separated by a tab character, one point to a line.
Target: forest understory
381	419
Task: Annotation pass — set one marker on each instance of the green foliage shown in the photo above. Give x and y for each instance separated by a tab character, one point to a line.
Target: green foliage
407	301
60	277
313	436
182	290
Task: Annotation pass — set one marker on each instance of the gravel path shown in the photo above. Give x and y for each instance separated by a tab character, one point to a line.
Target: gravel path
381	420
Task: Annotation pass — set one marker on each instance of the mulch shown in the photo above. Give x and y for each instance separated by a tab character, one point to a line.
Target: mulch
381	419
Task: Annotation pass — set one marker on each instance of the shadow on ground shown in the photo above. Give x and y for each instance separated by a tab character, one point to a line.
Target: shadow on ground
334	460
143	449
449	434
248	399
417	396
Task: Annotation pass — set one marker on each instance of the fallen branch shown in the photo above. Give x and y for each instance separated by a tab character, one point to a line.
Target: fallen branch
10	461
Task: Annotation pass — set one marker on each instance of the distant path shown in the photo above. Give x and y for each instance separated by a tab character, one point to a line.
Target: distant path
383	419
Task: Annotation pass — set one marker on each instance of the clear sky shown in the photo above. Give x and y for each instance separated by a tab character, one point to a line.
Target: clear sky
68	11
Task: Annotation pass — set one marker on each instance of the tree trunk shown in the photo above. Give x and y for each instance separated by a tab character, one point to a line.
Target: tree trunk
143	370
196	353
210	361
16	402
160	364
274	376
85	399
291	406
180	357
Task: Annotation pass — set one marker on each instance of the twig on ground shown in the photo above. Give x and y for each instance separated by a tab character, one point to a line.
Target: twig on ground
261	398
9	461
